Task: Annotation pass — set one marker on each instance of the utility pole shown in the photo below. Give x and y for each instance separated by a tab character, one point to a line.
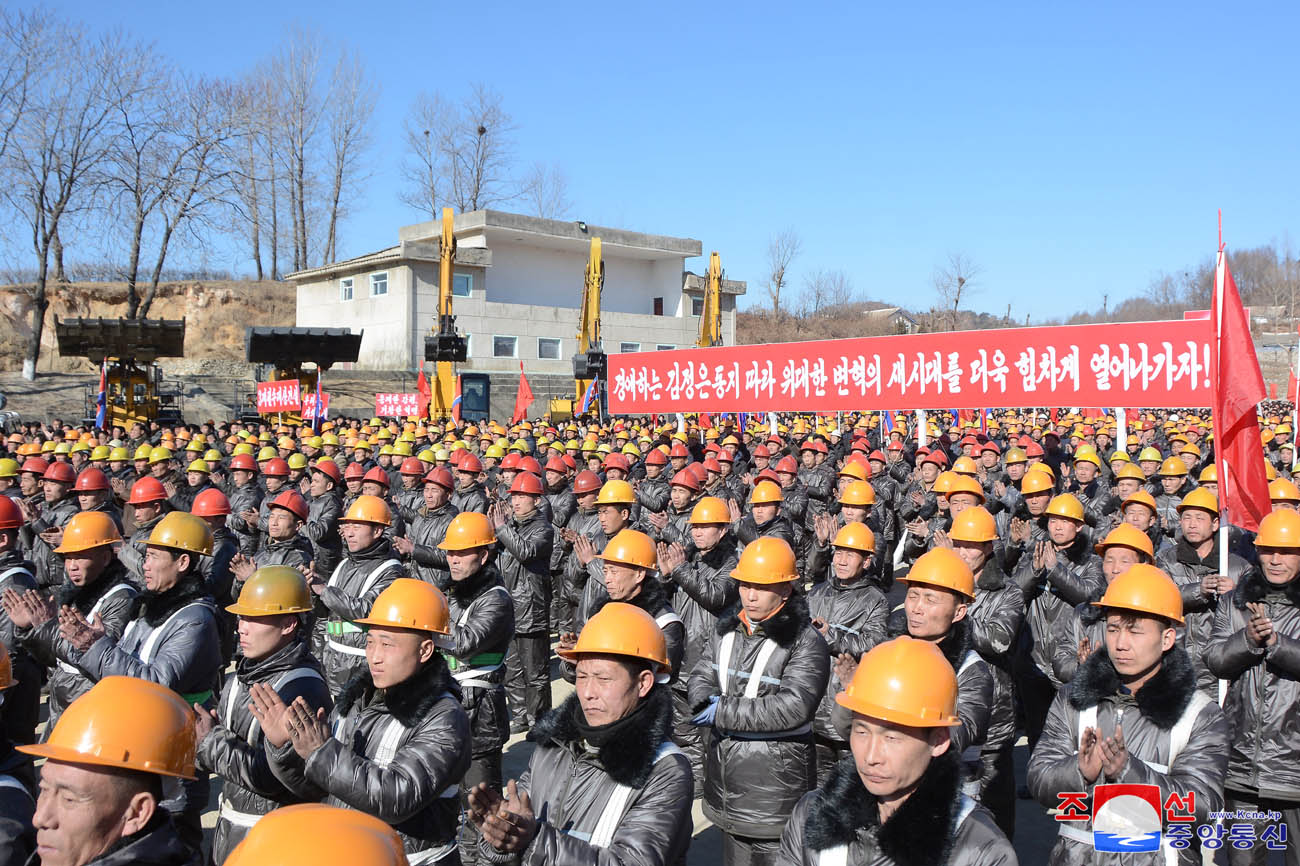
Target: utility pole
1104	299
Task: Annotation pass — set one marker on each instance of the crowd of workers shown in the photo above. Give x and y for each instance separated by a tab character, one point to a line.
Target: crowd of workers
344	626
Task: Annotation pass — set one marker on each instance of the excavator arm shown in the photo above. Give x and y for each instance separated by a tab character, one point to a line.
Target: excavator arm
711	318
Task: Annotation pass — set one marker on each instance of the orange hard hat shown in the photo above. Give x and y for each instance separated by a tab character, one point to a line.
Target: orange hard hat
210	503
312	833
858	493
621	629
410	603
766	560
273	590
125	723
965	466
904	681
1205	500
965	484
1036	482
855	536
468	530
765	493
1141	497
854	470
630	547
1280	528
1280	490
943	568
368	509
710	510
1126	535
974	524
86	530
1144	589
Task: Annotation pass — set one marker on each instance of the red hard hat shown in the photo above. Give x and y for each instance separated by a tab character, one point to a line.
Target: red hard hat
699	470
527	482
686	478
510	461
788	465
1033	449
291	501
470	463
768	475
555	464
528	463
59	472
569	461
146	490
761	451
679	450
354	471
725	456
877	455
442	477
711	464
35	465
377	475
329	469
244	462
276	467
455	457
895	445
655	457
412	466
586	482
91	479
616	461
210	503
11	516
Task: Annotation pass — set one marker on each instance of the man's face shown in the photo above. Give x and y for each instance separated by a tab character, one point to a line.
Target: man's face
855	513
612	518
1170	483
1148	467
613	473
359	536
553	478
1036	503
1198	525
891	759
707	535
163	568
1016	471
1062	530
680	496
653	470
196	479
241	477
931	611
394	655
1085	472
374	488
587	501
354	486
1136	643
848	563
54	490
761	600
1126	487
787	479
80	813
29	483
281	523
85	566
623	581
259	636
974	553
1139	516
959	502
606	689
1280	564
989	458
1117	560
159	469
464	564
766	512
275	483
522	504
320	483
91	499
929	472
467	479
808	457
435	496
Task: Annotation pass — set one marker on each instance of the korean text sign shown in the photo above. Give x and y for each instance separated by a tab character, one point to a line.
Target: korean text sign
397	405
1150	364
282	396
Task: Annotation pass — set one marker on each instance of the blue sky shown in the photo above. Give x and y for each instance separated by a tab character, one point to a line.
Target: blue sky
1067	151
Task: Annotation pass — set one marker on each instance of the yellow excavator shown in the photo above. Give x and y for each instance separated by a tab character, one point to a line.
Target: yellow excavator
590	362
711	317
445	347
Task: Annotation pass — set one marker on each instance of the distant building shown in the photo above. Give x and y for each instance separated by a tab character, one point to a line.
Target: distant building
518	284
896	319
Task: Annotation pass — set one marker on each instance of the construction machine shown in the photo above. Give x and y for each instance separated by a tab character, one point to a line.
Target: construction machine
281	353
589	365
711	317
445	347
126	351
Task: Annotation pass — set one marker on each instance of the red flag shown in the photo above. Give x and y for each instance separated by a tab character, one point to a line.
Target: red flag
1291	386
422	386
523	399
1272	390
1053	416
1238	387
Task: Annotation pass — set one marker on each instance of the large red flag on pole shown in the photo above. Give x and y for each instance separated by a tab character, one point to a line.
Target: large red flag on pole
523	399
1238	387
425	392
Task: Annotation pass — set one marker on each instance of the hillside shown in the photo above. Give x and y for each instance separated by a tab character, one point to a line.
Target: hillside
215	313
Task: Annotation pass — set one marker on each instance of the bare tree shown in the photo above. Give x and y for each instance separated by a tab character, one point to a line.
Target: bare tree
955	282
296	74
781	251
546	190
351	106
422	167
17	30
60	141
826	290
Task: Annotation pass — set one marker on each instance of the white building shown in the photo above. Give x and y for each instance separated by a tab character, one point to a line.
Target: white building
518	284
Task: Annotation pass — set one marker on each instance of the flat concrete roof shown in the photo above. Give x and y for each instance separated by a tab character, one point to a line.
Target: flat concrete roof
406	251
557	233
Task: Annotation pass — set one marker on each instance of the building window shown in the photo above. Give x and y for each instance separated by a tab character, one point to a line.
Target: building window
548	348
697	306
345	289
469	345
665	347
379	284
625	348
505	347
659	306
462	285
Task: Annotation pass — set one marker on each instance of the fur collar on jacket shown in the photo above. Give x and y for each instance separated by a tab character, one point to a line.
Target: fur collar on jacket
954	646
83	598
1186	554
1254	586
783	626
1161	701
843	806
156	607
630	758
992	577
408	702
1089	614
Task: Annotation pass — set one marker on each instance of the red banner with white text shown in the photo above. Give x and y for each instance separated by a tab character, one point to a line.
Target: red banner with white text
397	405
284	395
1148	364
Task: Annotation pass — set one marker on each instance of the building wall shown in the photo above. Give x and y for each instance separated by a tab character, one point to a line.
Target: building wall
385	319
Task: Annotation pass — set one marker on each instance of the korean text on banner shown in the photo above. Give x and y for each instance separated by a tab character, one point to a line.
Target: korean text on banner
397	405
1150	364
284	395
309	406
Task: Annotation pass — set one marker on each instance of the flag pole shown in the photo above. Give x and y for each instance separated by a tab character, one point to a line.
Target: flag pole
920	428
1295	399
1222	459
1121	429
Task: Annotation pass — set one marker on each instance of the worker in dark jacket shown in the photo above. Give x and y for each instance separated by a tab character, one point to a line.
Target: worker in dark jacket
23	696
368	568
524	536
148	501
584	522
426	530
482	627
96	584
323	523
605	783
284	543
851	614
275	647
470	494
765	519
245	500
101	800
757	687
897	799
1255	646
1132	714
398	740
46	524
17	780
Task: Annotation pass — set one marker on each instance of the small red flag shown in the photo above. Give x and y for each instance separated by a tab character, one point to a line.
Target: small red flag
1291	386
523	399
1272	390
1238	387
422	386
